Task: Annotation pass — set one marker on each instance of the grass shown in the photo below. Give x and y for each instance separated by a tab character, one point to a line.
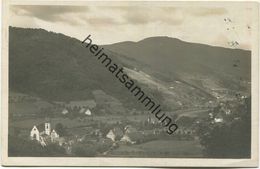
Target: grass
109	119
29	123
161	148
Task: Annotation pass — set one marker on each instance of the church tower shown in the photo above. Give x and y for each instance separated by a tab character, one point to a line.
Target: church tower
47	128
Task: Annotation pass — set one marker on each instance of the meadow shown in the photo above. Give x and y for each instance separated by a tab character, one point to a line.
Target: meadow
161	148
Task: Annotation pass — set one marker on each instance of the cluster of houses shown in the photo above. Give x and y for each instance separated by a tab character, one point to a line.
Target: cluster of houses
223	112
228	95
131	135
44	134
127	135
84	111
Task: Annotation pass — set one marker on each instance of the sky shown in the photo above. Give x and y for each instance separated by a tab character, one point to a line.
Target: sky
226	26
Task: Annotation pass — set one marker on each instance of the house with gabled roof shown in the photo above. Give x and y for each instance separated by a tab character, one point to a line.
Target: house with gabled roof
43	134
85	111
64	111
115	134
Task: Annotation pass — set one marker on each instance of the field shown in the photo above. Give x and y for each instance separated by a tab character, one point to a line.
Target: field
70	123
161	148
193	112
29	123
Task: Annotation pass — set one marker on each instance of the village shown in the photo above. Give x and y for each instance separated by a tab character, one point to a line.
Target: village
80	123
80	129
105	139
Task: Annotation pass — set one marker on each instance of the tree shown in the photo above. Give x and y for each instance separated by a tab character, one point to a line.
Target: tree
230	139
18	147
59	128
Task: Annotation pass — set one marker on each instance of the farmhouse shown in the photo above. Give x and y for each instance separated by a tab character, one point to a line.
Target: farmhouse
115	134
218	119
43	134
85	111
64	111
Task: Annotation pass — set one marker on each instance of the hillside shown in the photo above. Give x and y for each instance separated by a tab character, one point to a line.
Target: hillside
178	74
190	62
57	68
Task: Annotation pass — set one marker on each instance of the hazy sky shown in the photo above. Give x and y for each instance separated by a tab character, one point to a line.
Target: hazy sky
214	25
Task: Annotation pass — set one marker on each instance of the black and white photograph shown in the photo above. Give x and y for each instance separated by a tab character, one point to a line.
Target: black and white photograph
131	80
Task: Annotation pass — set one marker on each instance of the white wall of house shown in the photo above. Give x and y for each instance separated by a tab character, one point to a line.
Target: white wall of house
88	112
54	135
35	135
111	135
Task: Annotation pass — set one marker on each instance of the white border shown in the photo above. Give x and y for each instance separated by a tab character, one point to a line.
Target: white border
154	162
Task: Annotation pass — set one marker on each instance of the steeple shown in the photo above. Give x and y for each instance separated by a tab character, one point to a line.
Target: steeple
47	128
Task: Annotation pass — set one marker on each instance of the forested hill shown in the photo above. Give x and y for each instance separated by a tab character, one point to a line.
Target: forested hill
57	67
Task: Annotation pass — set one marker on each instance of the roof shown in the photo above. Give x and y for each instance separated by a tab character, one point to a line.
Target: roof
85	111
65	111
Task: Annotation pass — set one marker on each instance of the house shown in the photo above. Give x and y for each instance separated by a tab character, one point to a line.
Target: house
64	111
218	119
132	138
85	111
115	134
54	136
43	134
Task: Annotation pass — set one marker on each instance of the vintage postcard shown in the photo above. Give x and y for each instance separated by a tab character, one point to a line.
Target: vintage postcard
130	83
